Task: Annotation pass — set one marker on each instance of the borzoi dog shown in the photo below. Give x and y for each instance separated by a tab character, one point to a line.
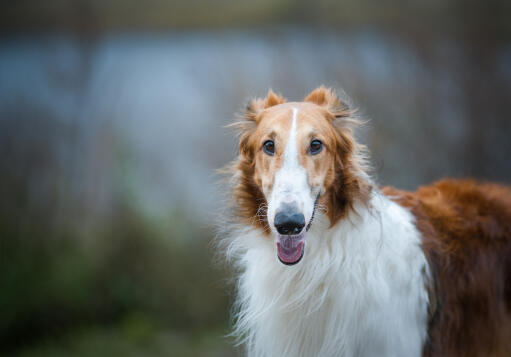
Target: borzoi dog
329	264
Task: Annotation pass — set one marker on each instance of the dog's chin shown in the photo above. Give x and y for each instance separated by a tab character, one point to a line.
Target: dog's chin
290	249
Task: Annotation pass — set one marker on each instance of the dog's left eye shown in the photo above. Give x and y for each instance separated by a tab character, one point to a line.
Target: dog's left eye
315	147
269	147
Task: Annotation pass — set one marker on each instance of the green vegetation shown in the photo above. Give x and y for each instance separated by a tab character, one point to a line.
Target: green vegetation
131	290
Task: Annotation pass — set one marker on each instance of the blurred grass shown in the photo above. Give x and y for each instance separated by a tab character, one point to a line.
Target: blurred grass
131	339
131	291
135	291
136	335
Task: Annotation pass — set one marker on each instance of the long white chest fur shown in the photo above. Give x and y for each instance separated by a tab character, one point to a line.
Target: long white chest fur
359	290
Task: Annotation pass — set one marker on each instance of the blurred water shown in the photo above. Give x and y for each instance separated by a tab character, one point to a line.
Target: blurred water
143	114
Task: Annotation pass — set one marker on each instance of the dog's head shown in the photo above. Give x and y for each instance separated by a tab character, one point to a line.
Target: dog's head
294	156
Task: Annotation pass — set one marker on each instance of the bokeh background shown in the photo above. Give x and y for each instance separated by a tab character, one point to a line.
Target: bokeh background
111	126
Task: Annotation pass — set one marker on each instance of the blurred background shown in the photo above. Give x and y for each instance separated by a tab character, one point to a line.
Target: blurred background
111	126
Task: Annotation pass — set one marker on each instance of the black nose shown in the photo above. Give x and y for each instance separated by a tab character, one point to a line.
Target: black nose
289	222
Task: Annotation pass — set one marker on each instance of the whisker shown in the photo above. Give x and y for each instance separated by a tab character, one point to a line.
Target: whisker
322	207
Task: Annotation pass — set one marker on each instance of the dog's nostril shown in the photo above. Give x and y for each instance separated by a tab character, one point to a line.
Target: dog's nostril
283	229
289	223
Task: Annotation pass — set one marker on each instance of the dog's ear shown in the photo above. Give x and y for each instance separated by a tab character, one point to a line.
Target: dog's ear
350	166
257	105
247	122
327	98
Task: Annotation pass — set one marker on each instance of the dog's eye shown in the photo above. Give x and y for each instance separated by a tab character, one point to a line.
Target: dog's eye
269	147
315	147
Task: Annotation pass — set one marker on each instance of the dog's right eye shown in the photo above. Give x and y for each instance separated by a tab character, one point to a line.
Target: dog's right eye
269	147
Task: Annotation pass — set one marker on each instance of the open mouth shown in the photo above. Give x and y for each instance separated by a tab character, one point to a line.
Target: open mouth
290	248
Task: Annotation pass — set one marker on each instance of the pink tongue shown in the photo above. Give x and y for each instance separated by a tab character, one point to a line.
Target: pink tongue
288	252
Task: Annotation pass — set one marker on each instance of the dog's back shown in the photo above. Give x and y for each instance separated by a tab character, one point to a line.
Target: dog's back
466	230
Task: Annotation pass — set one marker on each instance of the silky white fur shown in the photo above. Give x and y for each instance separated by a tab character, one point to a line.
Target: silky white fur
358	291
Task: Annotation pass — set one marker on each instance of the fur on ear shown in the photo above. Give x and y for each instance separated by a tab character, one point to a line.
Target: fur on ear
257	105
249	199
351	180
247	121
327	98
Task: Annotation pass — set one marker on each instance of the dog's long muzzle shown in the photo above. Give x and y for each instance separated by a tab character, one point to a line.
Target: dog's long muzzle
290	224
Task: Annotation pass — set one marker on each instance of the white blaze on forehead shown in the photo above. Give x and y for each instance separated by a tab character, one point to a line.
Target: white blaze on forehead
291	176
291	150
291	185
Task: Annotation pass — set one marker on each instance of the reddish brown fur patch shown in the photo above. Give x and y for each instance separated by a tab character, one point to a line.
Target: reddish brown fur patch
467	239
248	196
345	185
326	97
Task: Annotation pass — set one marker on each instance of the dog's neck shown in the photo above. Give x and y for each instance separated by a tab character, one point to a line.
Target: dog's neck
359	290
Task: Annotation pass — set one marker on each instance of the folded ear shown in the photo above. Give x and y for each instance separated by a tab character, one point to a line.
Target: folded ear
247	121
327	98
256	105
350	166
